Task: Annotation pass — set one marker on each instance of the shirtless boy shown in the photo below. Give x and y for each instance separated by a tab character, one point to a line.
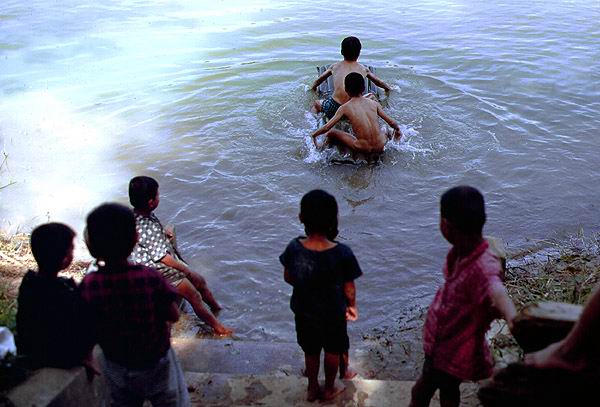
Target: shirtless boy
363	115
350	50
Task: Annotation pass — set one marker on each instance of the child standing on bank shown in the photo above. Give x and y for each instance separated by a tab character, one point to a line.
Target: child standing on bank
155	248
130	308
51	329
463	308
322	272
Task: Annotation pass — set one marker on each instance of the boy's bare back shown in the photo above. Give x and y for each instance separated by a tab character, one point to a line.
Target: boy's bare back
339	71
362	113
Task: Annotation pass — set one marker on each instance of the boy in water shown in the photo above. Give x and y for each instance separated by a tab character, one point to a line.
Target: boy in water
350	50
322	272
463	308
363	114
131	308
155	248
51	328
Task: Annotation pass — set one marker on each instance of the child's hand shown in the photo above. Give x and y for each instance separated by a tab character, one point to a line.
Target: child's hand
397	134
169	232
351	313
91	367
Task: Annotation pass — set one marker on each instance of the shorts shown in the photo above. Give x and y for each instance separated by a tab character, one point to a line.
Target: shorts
330	107
316	335
162	384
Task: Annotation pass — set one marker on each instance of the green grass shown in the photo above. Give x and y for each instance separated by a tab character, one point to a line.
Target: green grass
8	309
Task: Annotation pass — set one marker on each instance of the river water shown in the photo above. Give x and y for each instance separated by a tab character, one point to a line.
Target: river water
211	98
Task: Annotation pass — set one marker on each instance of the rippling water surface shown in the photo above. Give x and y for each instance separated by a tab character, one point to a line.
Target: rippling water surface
212	99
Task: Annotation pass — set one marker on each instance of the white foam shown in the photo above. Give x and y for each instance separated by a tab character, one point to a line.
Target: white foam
59	163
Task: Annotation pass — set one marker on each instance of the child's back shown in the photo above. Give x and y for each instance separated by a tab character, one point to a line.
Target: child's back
130	308
319	278
50	326
129	305
339	71
322	272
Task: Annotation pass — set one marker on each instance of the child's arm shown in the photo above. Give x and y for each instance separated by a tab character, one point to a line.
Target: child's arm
287	277
390	121
350	294
502	302
172	262
329	125
321	78
377	81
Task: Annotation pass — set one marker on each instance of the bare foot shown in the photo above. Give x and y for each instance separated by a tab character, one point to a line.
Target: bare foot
330	394
349	374
313	393
552	357
220	330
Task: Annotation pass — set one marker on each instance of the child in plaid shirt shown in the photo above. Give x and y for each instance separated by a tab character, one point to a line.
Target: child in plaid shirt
130	308
155	249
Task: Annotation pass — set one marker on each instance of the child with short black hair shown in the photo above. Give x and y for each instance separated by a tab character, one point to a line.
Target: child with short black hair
51	329
155	248
363	115
131	308
322	272
460	315
350	50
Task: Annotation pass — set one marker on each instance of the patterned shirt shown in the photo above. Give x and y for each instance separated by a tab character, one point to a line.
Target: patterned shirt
128	308
152	246
461	313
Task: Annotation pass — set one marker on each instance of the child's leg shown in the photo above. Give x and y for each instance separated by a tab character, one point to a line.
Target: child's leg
449	391
425	387
189	292
332	361
200	283
346	372
312	373
346	139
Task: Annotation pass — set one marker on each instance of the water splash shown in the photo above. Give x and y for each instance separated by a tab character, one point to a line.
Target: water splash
59	163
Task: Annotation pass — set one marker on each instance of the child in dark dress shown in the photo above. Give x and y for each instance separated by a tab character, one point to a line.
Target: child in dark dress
322	272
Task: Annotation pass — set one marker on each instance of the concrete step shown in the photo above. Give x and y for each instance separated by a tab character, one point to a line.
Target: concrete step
212	390
238	357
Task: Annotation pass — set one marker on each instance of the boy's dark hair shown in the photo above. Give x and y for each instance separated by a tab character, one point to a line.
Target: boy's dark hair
111	233
50	244
351	48
464	207
141	190
319	212
354	84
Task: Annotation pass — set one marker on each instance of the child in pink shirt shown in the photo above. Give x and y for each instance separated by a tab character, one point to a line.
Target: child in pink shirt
463	308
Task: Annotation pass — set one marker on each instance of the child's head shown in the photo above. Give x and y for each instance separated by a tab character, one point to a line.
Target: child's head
462	212
354	84
319	214
52	247
351	48
143	193
110	232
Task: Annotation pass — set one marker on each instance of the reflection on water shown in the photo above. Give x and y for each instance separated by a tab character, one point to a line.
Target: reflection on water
212	99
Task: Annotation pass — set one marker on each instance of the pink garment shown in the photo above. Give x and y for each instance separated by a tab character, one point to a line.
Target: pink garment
461	313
